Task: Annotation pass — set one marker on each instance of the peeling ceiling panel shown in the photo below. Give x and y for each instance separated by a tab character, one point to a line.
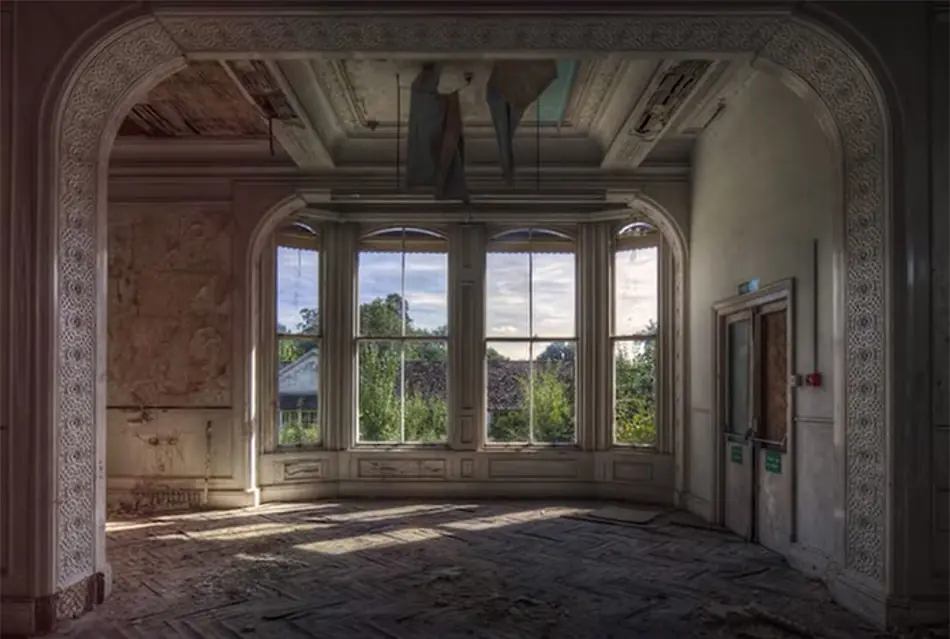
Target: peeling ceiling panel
261	86
199	101
364	91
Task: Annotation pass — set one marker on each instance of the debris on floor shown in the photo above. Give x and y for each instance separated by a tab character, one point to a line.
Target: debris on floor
621	515
492	570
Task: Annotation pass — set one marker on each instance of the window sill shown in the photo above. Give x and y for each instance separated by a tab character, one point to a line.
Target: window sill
303	448
636	448
396	448
530	448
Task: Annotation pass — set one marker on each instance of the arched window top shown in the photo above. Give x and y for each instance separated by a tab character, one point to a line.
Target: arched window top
531	240
638	228
404	238
639	234
298	234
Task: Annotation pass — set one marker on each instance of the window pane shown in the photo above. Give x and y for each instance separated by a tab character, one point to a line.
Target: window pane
507	295
635	392
635	291
738	362
427	293
552	392
380	391
425	408
508	390
298	276
552	288
381	294
298	375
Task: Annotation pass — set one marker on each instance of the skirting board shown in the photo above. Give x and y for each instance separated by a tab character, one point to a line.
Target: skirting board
217	499
699	506
640	493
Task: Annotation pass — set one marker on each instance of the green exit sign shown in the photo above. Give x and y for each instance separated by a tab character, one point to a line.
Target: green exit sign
773	461
735	452
749	287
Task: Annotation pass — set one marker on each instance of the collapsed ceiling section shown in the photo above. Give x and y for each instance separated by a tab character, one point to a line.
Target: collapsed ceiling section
433	121
436	138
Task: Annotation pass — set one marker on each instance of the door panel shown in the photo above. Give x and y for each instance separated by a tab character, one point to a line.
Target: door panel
739	462
773	484
772	499
774	376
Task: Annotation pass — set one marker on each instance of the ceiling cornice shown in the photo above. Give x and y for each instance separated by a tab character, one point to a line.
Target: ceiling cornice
374	177
474	8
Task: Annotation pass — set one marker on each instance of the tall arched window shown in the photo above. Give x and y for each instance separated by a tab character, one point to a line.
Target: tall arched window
530	337
298	335
402	337
634	331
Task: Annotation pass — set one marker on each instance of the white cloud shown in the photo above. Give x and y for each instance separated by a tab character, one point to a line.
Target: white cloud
507	290
635	289
425	281
297	278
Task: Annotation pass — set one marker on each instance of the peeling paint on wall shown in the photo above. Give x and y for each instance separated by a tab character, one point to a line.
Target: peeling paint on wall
170	290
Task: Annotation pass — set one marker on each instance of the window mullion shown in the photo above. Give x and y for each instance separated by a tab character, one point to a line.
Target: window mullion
530	347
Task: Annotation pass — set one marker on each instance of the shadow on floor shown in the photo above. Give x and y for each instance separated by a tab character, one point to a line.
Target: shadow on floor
415	570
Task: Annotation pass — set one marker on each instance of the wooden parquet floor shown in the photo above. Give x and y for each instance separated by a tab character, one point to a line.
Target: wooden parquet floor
399	570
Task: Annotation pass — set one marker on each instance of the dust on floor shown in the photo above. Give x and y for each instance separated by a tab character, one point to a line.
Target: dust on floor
399	570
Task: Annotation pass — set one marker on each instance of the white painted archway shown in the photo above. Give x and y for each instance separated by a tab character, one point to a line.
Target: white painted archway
124	64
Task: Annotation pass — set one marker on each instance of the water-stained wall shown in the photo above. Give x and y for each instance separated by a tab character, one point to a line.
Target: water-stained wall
170	356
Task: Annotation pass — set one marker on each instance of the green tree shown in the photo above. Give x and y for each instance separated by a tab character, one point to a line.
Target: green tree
635	395
548	404
558	352
425	417
493	355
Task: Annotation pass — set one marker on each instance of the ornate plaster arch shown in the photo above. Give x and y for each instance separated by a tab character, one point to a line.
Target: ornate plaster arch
138	54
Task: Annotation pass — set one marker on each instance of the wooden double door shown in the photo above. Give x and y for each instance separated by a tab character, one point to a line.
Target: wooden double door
755	385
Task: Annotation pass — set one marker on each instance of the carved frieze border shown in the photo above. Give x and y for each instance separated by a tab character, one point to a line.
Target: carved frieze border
129	58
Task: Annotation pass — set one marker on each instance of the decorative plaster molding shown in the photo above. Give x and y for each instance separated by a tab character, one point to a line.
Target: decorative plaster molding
660	105
128	59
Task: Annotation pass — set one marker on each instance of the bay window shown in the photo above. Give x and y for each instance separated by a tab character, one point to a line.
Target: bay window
634	334
402	337
530	338
359	334
298	333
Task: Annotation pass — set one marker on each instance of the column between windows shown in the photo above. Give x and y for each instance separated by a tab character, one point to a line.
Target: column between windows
594	357
467	243
339	384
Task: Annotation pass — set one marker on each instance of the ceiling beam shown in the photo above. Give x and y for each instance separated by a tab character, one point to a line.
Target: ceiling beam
264	85
673	88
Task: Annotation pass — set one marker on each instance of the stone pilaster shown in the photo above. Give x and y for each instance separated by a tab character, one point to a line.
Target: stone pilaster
466	336
594	357
339	347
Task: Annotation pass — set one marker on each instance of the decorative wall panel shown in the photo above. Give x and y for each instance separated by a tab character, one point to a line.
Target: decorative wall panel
170	290
401	468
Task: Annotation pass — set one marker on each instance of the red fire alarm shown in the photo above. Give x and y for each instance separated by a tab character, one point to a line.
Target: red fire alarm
813	379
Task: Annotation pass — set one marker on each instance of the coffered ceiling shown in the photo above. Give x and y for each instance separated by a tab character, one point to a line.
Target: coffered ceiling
615	112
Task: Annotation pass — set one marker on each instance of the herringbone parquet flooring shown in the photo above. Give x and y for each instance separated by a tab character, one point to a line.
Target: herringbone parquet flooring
396	570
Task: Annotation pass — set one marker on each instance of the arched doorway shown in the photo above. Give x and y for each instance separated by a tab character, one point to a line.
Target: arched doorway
142	52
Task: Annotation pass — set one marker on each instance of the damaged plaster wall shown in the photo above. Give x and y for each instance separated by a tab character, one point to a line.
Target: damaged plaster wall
765	185
170	356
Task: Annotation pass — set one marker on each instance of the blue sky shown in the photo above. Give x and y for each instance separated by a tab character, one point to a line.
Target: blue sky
507	287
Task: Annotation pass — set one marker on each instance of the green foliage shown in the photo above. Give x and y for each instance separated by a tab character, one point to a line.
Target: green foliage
425	418
553	408
552	404
635	397
558	352
296	429
379	403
